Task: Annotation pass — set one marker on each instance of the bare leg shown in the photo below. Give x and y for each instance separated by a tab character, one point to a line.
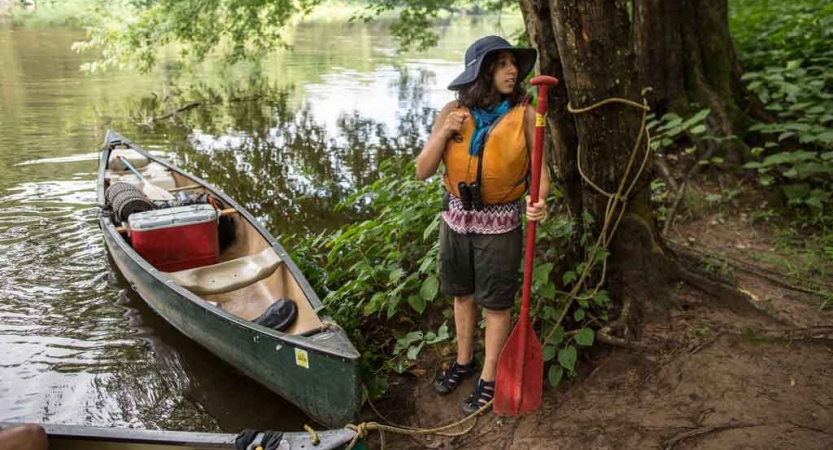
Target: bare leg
497	330
465	322
24	437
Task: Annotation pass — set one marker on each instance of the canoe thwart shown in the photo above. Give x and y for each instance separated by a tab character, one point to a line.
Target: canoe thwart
229	275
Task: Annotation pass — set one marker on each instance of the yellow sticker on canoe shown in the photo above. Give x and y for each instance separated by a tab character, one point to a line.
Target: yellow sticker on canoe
539	120
301	358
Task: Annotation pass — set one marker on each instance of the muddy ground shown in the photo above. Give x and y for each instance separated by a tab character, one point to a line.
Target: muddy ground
706	376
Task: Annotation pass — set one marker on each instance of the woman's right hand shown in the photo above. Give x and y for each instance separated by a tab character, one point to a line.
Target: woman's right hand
454	123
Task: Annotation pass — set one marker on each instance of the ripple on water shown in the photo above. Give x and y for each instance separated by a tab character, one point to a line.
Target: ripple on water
70	352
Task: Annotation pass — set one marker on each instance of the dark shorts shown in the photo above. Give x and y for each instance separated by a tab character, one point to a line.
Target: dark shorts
484	265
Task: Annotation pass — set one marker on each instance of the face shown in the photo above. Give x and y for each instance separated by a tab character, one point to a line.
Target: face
505	72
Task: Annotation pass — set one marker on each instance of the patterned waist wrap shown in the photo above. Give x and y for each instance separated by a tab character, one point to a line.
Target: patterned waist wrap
496	218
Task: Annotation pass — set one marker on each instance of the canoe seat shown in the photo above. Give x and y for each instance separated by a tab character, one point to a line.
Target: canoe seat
230	275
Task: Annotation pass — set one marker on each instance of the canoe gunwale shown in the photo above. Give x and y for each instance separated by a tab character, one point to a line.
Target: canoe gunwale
330	439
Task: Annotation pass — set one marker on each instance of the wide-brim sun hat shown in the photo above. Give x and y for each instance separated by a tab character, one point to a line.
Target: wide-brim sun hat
482	48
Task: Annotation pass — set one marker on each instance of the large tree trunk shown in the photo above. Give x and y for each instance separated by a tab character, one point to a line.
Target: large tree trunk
685	53
560	124
594	40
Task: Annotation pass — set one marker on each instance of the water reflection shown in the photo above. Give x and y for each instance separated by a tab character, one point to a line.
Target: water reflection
285	167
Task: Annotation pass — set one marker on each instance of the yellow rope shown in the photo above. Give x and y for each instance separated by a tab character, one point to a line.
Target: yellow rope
620	196
312	435
363	429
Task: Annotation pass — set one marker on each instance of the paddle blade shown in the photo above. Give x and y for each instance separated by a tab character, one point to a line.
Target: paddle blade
519	383
155	192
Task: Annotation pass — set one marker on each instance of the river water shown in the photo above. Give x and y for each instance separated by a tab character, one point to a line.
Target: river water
288	138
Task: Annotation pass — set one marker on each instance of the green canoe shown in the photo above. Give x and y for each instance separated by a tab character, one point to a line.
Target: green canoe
312	363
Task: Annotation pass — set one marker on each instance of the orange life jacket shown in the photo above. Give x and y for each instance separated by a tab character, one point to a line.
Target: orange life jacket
505	159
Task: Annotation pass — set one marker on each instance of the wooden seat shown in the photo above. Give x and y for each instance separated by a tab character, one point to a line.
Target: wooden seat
229	275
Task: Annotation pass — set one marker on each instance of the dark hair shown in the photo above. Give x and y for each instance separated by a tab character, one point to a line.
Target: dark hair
481	92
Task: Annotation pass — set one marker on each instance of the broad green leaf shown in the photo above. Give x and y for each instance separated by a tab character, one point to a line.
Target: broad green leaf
400	366
417	303
427	263
568	277
442	334
796	191
699	129
601	298
395	275
541	273
558	336
413	351
567	358
554	375
393	302
429	288
429	230
585	337
549	352
406	341
547	291
578	315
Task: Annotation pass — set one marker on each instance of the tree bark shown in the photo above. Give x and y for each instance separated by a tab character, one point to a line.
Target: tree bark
685	53
595	43
561	125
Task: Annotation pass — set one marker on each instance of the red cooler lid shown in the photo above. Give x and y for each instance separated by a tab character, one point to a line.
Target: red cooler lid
172	217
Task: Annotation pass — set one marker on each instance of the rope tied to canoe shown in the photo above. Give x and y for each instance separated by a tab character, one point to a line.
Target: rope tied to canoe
363	429
313	436
616	200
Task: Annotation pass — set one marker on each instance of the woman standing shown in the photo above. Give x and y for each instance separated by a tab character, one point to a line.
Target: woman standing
484	138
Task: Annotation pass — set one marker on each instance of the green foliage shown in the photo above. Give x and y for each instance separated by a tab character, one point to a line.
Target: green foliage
563	341
414	27
372	267
787	47
412	344
53	12
382	268
669	129
132	32
766	32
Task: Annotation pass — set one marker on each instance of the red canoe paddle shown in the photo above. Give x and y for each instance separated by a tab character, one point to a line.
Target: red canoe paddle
519	382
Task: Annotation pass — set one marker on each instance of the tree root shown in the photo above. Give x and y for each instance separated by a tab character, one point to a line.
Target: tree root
752	269
670	443
686	268
820	333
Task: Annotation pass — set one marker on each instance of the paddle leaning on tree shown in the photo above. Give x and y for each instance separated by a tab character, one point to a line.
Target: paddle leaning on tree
484	138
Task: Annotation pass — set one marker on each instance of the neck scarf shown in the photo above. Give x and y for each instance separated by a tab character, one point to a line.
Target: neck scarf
483	120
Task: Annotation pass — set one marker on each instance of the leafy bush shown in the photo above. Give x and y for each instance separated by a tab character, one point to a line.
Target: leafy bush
787	46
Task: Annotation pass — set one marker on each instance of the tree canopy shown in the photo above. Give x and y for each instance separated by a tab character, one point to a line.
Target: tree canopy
132	32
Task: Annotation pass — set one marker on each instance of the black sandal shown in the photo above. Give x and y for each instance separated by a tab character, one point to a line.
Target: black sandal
483	394
450	379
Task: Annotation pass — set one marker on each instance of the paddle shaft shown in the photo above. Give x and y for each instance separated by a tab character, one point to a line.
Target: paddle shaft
537	158
130	167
